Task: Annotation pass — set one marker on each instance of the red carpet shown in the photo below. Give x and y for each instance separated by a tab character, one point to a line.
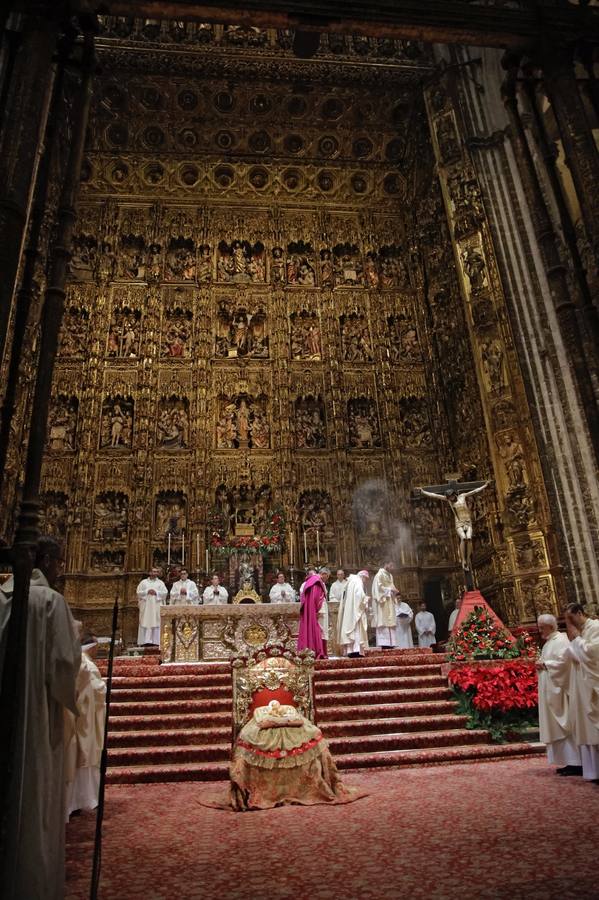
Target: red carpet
509	830
173	722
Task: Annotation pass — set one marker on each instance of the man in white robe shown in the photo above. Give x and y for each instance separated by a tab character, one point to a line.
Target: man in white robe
454	615
583	688
404	615
84	734
34	850
184	590
215	594
281	591
426	627
338	587
352	624
151	594
553	670
384	593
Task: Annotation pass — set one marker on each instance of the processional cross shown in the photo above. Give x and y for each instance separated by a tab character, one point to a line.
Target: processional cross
456	493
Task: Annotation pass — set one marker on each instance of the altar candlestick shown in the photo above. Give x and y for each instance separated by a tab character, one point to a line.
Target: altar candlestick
207	560
291	547
305	549
318	545
183	549
168	550
198	551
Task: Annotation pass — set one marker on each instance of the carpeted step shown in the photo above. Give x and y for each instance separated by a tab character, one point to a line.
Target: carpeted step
338	674
384	710
366	683
370	699
191	753
196	668
169	707
436	756
356	727
135	695
206	771
409	741
181	720
169	737
399	657
158	681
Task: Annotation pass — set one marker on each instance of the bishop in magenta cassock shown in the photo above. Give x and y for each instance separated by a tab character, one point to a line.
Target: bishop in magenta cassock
313	596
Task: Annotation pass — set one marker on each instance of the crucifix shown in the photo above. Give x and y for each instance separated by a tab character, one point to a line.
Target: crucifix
456	493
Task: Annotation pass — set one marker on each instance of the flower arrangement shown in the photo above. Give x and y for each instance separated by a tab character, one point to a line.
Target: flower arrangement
270	541
502	699
480	637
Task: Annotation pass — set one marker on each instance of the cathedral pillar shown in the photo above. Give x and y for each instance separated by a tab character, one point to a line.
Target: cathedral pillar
576	134
554	267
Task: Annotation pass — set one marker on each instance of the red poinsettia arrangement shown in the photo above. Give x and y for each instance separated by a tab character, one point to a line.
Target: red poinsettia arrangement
481	637
269	541
511	685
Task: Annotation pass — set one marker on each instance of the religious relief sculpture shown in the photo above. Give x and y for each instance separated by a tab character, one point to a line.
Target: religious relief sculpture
371	270
447	139
124	333
205	264
278	272
110	516
414	422
347	266
73	336
108	562
62	423
473	263
132	257
466	201
300	265
315	510
430	533
154	264
370	517
355	338
243	423
117	423
310	429
241	262
364	432
512	454
177	331
84	257
173	423
53	514
241	332
305	336
392	267
327	273
537	597
181	259
403	340
494	368
170	516
244	36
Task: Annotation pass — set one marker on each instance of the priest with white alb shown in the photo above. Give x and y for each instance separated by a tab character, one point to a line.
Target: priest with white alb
184	590
281	591
151	594
583	688
338	587
426	627
215	594
403	629
352	624
553	670
384	593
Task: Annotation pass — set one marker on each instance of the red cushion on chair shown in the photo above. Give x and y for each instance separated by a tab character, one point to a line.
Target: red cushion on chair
264	696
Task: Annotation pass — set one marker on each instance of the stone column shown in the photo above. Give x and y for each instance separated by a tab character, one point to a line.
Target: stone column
554	267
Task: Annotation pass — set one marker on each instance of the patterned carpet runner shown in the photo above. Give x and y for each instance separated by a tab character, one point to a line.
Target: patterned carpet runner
173	722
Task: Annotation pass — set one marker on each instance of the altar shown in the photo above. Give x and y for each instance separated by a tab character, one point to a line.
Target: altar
193	633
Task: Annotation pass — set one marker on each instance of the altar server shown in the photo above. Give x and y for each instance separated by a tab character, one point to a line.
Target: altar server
403	630
426	627
352	624
281	591
34	850
454	614
215	593
553	669
84	734
339	586
184	590
384	593
583	692
151	594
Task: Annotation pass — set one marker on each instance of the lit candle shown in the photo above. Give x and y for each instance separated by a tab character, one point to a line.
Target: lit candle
168	550
317	545
183	549
305	548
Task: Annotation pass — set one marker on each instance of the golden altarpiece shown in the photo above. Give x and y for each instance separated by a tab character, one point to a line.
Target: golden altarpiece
284	314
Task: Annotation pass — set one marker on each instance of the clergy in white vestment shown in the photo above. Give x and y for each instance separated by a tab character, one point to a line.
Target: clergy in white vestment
151	594
84	734
338	587
384	593
553	669
403	629
184	590
352	624
426	627
34	851
454	615
583	688
281	591
215	594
